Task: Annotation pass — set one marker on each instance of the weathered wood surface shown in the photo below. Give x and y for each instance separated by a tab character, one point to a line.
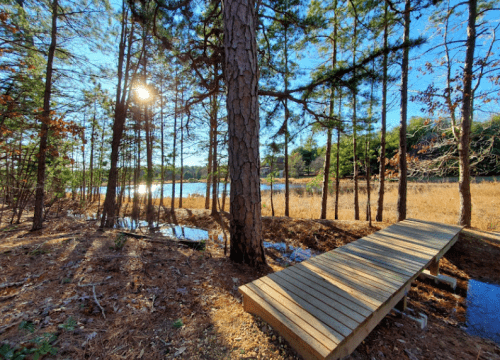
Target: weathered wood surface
327	305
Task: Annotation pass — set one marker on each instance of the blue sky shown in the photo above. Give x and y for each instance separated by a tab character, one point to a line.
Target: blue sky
417	81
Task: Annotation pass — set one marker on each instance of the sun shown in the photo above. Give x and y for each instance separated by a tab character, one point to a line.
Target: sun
142	92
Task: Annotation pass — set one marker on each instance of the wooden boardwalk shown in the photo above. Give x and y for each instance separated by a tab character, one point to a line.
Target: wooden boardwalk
327	305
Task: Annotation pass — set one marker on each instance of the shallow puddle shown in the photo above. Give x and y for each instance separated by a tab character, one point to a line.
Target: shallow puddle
483	310
183	232
290	253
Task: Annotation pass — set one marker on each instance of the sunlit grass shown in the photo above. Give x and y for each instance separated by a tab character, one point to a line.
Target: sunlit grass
433	202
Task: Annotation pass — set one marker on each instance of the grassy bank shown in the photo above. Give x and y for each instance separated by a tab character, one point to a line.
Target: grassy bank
432	201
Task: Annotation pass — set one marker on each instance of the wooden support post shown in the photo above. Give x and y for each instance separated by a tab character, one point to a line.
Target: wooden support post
434	267
402	305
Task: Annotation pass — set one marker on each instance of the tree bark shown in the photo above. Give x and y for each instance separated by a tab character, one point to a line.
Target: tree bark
181	183
354	132
209	171
285	128
174	155
326	175
242	103
337	167
381	188
44	132
215	177
402	186
326	171
465	216
109	208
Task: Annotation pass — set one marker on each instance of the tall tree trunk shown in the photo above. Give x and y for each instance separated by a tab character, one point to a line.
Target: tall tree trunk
92	141
137	171
285	128
354	125
174	155
402	186
209	171
326	171
368	190
109	208
149	140
465	216
83	184
44	132
242	77
215	183
162	146
337	167
381	188
181	184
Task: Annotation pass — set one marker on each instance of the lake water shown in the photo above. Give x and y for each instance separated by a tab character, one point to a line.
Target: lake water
483	310
189	189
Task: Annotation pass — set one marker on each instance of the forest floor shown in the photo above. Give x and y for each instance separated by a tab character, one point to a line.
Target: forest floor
73	292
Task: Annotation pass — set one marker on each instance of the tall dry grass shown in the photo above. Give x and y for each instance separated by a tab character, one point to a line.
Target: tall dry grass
431	201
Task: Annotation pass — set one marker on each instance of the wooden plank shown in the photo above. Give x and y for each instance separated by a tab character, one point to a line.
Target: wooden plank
399	258
340	324
366	300
408	241
350	344
402	244
304	343
334	300
362	275
359	259
448	246
327	289
371	296
343	314
379	258
328	335
368	287
381	272
377	277
391	251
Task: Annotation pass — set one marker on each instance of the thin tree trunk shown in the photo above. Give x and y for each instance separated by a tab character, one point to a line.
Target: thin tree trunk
402	186
215	183
137	170
162	146
326	171
285	127
182	154
91	180
174	154
209	171
337	167
368	190
44	133
465	217
381	189
326	175
354	132
241	72
109	211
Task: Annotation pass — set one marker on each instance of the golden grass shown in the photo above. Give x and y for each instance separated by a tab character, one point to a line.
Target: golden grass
430	201
433	202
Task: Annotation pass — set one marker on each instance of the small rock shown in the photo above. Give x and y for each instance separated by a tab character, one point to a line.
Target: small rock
180	351
238	339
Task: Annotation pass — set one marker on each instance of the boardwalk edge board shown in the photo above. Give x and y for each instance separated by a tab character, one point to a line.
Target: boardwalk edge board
338	278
